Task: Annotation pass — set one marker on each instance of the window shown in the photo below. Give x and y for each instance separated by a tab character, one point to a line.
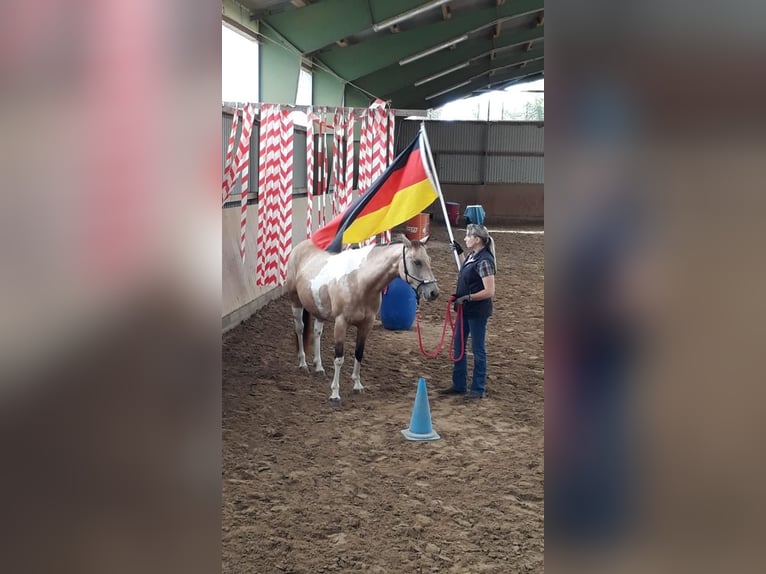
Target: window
304	96
239	66
520	102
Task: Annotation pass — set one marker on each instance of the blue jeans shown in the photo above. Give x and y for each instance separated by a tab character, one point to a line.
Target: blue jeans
476	327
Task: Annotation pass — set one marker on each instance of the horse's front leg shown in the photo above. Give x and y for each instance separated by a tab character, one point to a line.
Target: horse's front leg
318	328
362	332
299	326
340	338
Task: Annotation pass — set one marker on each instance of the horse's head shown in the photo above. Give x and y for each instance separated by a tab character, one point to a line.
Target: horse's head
415	269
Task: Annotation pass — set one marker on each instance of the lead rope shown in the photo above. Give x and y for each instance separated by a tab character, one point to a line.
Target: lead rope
447	320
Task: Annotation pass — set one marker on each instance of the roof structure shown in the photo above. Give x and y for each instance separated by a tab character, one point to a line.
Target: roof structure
417	54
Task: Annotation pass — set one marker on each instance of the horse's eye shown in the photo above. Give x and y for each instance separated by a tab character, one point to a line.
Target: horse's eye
418	262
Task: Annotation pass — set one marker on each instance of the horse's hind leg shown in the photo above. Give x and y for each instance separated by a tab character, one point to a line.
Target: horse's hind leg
298	320
362	331
340	337
318	328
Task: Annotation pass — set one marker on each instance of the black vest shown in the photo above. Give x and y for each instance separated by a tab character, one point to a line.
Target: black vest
469	281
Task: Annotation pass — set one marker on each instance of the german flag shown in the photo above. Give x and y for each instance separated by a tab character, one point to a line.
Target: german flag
405	189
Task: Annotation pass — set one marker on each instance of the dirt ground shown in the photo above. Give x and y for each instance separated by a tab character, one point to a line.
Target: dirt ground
308	488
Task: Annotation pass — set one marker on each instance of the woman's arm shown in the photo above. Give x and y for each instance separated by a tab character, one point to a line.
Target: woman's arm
489	289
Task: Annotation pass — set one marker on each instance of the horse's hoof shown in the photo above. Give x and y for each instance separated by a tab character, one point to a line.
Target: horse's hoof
320	373
334	403
358	391
304	368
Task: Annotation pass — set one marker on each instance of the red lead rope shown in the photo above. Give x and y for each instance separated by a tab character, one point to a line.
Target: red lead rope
447	320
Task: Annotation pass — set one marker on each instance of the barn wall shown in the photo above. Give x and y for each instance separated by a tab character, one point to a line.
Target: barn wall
504	203
496	165
499	165
241	296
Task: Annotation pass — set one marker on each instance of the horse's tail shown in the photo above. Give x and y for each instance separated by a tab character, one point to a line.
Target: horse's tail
308	328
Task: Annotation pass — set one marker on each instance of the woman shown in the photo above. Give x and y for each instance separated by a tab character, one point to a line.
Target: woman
475	289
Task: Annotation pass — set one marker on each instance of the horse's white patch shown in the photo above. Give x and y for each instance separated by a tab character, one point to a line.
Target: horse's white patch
337	268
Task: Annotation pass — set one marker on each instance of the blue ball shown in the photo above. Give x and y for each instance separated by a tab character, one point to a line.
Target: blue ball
398	306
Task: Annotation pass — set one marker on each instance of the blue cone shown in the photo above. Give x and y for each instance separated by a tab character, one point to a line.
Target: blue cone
420	423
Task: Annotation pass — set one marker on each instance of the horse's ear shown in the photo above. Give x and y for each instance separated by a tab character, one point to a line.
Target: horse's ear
403	239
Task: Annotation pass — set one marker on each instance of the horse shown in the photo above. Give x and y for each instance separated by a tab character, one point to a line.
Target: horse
346	288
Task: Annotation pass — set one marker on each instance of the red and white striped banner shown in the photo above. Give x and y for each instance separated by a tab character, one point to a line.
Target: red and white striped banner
242	168
275	185
337	173
321	170
284	239
325	165
369	129
309	170
391	124
377	165
228	174
379	148
361	170
372	149
349	179
268	195
390	158
365	158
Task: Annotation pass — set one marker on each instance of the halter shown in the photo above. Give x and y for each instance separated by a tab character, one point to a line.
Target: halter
420	281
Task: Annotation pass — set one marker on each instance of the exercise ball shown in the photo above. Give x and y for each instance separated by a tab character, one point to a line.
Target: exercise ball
398	305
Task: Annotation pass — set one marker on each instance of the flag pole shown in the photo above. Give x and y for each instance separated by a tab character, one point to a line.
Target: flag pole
439	191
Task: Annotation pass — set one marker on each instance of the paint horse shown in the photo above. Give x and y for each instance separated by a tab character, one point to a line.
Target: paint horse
346	288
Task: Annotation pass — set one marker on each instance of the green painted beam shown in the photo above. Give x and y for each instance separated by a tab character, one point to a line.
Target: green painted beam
499	64
318	25
476	84
383	9
378	52
237	15
501	84
504	76
279	69
478	70
395	77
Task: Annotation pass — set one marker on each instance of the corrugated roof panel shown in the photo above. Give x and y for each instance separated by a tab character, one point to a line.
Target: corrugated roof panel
515	169
445	136
458	136
456	168
506	137
406	132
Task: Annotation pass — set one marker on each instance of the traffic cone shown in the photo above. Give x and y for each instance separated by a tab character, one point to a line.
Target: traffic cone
420	423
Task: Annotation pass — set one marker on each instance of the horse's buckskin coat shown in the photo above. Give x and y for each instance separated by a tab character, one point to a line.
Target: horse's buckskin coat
345	287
